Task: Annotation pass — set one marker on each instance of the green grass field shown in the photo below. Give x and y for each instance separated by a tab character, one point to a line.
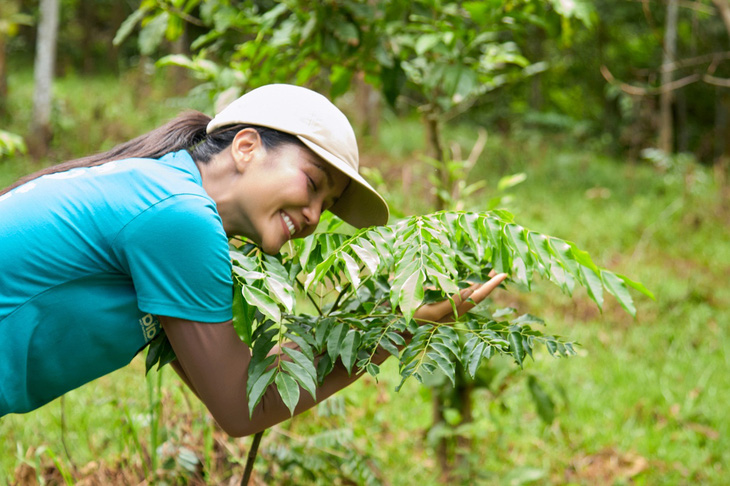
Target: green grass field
642	403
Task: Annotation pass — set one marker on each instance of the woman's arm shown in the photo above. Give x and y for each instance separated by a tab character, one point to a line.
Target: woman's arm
213	361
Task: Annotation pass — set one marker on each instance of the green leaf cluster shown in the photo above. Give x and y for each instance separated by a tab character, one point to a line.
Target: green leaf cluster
10	144
440	54
335	296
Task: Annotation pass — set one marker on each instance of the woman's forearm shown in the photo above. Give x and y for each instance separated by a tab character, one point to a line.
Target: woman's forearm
213	361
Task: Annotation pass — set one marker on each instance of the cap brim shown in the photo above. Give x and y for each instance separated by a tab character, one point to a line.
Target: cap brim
359	205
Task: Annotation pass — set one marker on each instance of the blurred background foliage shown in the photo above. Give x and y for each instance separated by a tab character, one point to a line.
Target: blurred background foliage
584	118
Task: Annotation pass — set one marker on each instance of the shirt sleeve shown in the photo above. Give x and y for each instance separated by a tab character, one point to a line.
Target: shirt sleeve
176	253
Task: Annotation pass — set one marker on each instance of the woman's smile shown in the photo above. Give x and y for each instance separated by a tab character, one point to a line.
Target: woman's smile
288	223
276	194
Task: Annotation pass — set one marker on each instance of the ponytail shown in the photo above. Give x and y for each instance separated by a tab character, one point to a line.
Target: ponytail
186	132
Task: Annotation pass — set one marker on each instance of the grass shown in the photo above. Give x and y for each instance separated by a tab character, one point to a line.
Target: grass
643	403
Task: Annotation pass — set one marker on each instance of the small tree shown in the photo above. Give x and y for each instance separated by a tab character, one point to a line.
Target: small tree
440	57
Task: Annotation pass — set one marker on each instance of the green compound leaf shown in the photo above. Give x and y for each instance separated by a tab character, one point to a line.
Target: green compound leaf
305	364
637	286
411	294
282	291
444	364
373	369
368	254
159	353
618	289
352	270
263	302
361	290
538	246
516	346
335	339
348	351
516	238
472	353
242	316
593	285
258	387
288	389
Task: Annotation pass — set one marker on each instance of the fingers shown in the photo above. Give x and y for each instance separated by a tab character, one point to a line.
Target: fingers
465	300
439	310
480	293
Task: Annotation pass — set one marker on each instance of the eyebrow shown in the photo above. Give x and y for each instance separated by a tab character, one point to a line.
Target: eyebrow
320	166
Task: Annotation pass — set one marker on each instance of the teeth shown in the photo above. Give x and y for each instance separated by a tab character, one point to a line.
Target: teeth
289	224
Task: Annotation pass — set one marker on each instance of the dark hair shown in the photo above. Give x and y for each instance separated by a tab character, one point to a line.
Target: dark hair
186	132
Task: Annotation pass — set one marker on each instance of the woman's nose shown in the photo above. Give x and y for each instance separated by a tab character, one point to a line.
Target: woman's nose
312	213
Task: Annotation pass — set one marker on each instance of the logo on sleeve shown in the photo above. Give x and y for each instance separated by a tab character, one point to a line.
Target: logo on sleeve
150	326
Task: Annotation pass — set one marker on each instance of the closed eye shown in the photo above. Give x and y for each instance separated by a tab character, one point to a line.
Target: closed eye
311	183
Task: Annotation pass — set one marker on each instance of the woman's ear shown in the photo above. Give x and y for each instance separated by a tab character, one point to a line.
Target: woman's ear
245	147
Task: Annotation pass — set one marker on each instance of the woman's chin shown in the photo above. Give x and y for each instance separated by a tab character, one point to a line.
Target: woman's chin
272	247
271	251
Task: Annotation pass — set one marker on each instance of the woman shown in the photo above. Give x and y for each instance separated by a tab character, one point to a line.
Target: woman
100	253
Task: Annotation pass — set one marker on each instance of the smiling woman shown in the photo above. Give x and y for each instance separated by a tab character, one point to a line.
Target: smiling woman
101	254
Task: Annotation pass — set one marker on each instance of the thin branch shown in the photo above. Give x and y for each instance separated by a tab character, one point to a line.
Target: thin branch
724	8
640	91
688	4
179	13
309	296
478	148
679	83
724	82
339	296
713	57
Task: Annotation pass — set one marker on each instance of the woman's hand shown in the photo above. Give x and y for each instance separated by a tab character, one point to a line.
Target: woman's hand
465	300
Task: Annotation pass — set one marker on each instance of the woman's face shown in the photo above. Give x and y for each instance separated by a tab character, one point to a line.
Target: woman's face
281	194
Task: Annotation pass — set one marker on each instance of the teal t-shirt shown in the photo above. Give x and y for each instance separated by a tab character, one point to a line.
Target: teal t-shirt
89	258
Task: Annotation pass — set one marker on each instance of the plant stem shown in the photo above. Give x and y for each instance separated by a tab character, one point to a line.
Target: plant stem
309	296
339	297
251	458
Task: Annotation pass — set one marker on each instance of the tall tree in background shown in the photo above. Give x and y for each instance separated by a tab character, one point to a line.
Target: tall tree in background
45	59
666	132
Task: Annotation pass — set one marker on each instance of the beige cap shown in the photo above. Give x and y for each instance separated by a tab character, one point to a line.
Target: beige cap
322	127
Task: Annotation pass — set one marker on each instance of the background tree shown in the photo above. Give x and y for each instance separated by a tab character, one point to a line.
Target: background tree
41	132
666	120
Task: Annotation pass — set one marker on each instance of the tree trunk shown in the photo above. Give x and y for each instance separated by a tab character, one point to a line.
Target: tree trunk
453	462
436	151
88	27
45	58
367	107
118	15
724	7
682	125
666	135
